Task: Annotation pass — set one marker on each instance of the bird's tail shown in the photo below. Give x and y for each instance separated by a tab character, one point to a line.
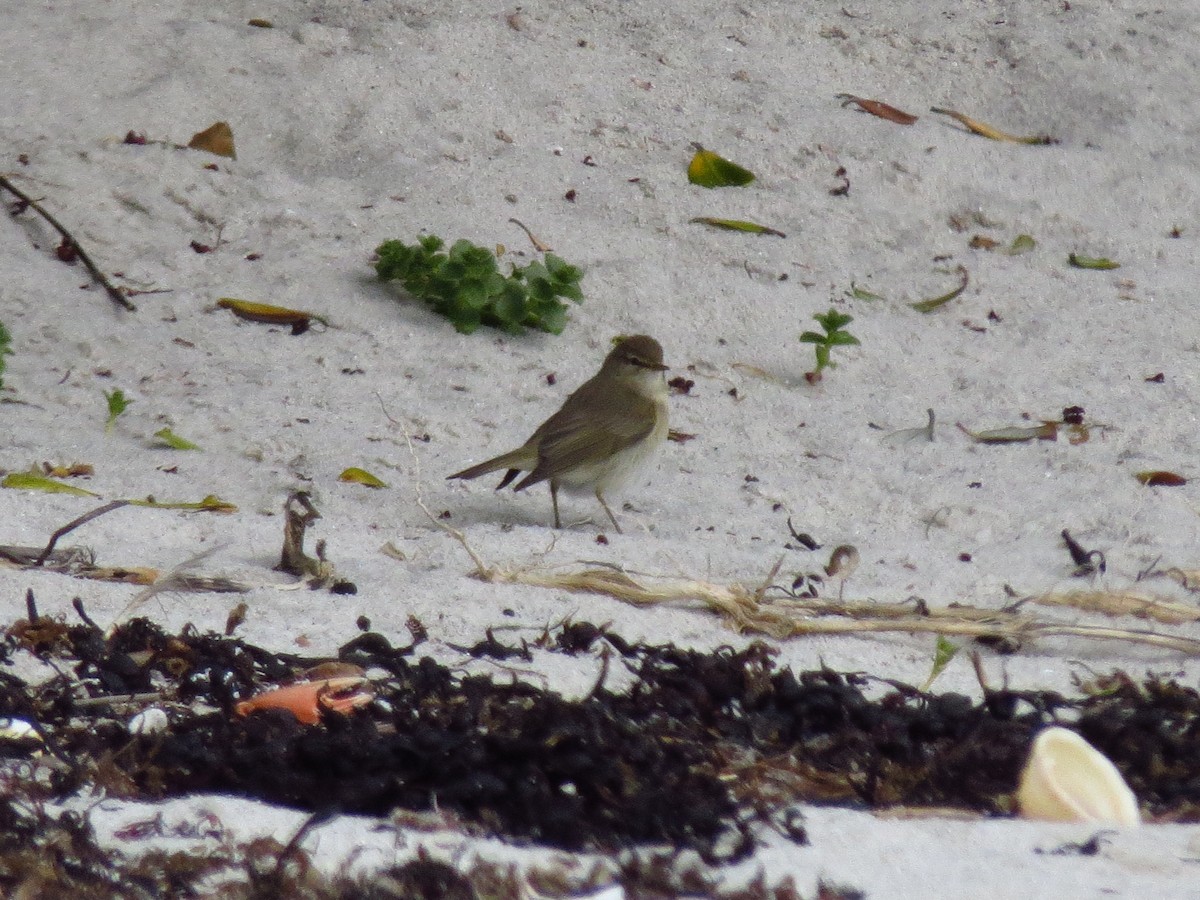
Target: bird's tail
515	461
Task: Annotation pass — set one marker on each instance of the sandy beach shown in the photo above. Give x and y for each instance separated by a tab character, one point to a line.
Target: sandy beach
357	123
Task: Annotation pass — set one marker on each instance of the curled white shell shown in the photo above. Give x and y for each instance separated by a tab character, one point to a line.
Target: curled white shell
1068	780
152	720
18	730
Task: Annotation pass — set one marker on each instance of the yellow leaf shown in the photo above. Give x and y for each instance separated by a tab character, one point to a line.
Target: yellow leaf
1047	431
216	138
355	475
709	170
74	470
738	225
271	315
211	503
988	131
30	481
122	574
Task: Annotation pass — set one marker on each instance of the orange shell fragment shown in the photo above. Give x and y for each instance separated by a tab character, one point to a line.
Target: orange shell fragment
306	700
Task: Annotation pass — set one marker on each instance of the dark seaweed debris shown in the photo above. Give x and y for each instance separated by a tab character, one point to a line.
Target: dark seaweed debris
700	747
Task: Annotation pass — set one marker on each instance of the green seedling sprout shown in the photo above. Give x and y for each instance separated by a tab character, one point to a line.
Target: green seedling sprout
117	404
944	651
833	323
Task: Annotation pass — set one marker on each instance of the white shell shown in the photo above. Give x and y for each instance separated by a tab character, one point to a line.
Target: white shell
18	730
1069	780
151	720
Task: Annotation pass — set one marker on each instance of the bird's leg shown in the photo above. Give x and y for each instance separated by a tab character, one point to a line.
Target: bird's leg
554	500
613	518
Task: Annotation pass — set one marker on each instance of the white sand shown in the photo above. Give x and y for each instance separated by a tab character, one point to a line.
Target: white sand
360	122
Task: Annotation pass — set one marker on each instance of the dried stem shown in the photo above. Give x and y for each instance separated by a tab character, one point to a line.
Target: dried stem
482	570
114	292
743	610
540	246
72	525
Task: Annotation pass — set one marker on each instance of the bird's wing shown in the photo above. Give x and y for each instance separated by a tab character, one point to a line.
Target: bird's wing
591	426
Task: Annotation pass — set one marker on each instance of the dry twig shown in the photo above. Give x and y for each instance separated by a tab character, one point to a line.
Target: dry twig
114	292
75	523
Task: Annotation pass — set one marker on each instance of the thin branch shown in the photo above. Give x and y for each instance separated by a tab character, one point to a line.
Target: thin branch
117	295
72	525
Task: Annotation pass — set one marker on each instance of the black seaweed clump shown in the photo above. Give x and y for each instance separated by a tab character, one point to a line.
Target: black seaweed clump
698	748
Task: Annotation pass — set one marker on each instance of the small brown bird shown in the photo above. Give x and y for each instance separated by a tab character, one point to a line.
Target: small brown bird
603	433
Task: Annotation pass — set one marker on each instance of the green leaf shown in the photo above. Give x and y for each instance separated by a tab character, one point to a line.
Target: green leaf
570	291
535	271
841	339
927	306
709	170
474	293
1022	243
468	260
833	320
811	337
563	271
859	293
5	340
31	481
1092	262
174	441
541	289
465	317
551	318
510	306
738	225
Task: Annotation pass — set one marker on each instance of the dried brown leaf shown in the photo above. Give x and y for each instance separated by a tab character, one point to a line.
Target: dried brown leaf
879	108
216	139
